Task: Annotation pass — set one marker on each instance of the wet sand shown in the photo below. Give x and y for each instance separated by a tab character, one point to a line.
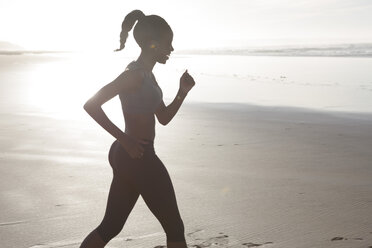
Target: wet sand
244	176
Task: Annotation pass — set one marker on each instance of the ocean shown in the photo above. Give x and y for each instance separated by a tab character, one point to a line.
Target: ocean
58	84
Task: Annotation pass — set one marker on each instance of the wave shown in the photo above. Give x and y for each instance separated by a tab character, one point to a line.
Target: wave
339	50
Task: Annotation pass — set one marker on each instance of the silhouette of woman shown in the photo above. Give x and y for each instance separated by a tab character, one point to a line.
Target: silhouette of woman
137	170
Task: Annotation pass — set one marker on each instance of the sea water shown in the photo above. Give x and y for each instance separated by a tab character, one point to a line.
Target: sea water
59	84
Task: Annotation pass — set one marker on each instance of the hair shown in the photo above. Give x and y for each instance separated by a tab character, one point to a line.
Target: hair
151	27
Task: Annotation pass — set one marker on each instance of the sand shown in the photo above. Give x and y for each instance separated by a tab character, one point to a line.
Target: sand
244	176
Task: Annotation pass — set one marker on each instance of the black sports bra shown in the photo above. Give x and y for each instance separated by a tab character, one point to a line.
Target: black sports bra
146	99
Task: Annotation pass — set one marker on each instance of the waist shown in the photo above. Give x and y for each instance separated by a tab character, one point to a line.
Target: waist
140	127
149	146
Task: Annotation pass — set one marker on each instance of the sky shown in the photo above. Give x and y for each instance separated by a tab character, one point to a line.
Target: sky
197	24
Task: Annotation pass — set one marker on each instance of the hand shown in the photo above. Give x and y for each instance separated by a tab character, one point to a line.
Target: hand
186	82
133	146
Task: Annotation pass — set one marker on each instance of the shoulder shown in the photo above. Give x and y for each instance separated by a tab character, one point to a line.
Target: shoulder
130	78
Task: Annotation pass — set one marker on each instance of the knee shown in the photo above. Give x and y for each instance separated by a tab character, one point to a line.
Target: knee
109	231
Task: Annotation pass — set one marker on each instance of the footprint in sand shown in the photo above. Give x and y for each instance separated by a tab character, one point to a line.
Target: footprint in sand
221	240
250	244
199	230
218	241
201	242
338	238
342	238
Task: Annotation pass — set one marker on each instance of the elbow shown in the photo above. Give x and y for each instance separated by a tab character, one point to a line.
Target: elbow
164	121
89	106
162	118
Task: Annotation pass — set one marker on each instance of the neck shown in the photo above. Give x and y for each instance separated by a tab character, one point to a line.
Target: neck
146	60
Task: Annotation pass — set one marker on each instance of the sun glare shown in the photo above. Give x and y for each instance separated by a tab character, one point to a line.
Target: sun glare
62	87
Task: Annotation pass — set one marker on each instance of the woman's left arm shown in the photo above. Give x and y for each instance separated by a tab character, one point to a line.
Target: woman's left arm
164	113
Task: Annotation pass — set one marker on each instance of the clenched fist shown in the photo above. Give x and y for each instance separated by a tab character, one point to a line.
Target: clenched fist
186	82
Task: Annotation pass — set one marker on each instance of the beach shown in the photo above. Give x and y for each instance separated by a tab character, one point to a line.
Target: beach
245	175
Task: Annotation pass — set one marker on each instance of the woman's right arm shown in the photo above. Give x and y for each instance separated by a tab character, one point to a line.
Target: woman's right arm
128	80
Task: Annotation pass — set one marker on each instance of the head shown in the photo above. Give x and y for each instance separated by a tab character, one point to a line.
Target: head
152	33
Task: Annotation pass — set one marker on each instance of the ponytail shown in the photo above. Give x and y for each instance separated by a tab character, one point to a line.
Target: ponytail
127	25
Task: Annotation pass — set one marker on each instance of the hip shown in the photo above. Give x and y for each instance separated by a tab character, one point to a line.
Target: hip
119	155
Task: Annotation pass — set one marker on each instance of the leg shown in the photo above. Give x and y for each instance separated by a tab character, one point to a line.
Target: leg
93	240
121	200
158	193
179	244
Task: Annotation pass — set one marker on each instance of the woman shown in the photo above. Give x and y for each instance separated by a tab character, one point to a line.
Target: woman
137	169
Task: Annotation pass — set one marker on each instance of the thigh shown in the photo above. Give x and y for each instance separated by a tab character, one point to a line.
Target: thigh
122	195
121	200
156	189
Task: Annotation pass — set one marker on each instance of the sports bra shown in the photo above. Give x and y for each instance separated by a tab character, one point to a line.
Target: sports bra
145	99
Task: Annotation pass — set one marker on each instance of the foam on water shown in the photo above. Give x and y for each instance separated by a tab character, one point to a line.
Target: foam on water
328	50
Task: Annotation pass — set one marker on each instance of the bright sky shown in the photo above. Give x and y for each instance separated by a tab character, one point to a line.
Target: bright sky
92	24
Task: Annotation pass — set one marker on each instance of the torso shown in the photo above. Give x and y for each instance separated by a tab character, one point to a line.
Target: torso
140	126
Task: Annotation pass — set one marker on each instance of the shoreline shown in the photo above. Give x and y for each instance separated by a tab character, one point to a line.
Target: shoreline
233	106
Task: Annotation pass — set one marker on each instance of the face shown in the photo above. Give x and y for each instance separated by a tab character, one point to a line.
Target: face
164	49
